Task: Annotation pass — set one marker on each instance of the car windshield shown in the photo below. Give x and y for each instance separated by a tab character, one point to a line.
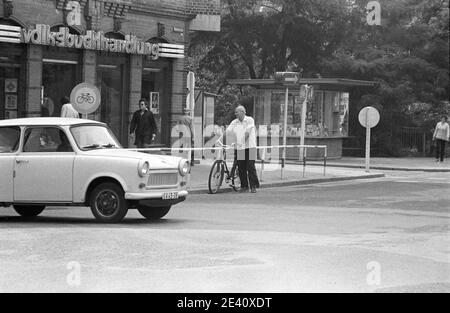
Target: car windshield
90	137
9	139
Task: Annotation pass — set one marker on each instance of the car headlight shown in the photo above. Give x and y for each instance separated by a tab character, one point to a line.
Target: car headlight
143	168
184	167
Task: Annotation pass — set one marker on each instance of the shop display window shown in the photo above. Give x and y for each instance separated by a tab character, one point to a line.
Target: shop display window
9	87
326	115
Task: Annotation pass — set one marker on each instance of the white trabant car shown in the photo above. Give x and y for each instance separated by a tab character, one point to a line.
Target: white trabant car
78	162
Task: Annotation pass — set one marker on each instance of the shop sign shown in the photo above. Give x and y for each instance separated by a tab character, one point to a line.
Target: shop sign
85	98
92	40
11	85
287	78
10	102
10	114
154	102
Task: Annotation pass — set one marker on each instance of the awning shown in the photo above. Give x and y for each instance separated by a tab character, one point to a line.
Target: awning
303	81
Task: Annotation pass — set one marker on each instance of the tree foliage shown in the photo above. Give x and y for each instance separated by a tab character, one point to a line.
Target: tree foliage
407	55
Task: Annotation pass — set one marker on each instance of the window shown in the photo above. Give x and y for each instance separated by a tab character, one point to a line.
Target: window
46	139
94	137
9	139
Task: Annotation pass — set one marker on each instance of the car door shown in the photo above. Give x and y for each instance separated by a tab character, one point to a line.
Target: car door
9	144
43	169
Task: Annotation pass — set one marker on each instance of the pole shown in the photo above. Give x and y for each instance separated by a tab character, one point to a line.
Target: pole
283	158
304	161
367	142
303	128
263	157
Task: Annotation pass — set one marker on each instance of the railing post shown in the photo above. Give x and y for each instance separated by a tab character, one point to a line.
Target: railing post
189	174
263	157
304	161
325	161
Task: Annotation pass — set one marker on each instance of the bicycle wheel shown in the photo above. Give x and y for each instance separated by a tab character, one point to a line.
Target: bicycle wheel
235	180
215	177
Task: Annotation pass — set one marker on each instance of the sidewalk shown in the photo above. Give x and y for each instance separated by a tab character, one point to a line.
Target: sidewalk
271	177
396	164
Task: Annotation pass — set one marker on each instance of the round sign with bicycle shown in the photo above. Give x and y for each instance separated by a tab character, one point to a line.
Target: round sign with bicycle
85	98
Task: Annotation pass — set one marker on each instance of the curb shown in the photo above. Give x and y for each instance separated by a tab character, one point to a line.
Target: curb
292	183
387	168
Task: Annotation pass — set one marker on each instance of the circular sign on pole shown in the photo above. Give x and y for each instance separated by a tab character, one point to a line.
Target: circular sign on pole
369	117
85	98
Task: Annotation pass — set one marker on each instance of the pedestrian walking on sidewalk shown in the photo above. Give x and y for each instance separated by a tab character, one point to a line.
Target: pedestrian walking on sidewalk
244	129
441	136
143	126
67	109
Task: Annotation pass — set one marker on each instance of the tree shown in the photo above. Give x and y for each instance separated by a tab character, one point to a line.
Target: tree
407	55
259	38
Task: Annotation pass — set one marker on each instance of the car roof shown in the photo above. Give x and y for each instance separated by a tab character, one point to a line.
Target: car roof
41	121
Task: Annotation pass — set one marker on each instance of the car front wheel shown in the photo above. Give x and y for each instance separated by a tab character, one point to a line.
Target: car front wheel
108	203
29	210
154	213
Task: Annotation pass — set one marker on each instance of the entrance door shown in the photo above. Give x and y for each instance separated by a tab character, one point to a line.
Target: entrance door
156	82
109	80
58	80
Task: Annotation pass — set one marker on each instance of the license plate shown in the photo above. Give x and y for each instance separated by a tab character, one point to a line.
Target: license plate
170	195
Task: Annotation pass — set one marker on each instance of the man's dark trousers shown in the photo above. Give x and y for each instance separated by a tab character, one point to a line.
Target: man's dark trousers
440	150
246	165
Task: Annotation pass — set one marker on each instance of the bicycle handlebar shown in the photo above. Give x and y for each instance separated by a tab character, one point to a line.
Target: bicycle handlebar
220	143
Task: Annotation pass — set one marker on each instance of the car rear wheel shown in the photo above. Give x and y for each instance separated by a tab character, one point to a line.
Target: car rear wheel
154	213
29	210
108	203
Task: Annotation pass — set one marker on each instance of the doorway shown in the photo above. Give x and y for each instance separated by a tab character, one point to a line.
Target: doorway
58	80
111	81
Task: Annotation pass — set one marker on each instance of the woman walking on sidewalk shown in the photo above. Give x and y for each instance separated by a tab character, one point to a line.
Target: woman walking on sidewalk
441	135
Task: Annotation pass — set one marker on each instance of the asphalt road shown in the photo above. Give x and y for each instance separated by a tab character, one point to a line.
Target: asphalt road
382	235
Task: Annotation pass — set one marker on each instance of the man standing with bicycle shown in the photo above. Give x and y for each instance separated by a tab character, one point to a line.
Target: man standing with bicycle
244	129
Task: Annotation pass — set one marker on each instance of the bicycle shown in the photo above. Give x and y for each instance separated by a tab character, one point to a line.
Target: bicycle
219	171
85	97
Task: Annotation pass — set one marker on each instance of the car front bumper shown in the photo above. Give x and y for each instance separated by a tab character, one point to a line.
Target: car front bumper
154	195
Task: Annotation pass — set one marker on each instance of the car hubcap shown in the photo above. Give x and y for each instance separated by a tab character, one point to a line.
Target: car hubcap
107	203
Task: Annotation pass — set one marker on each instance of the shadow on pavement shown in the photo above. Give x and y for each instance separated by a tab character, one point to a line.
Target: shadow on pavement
43	221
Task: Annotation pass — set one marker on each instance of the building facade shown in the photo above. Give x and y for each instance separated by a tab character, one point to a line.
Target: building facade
127	49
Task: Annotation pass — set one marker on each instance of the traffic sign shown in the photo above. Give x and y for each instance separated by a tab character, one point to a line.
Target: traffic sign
287	78
85	98
369	117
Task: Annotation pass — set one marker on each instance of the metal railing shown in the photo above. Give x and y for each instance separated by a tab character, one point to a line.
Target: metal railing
302	155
